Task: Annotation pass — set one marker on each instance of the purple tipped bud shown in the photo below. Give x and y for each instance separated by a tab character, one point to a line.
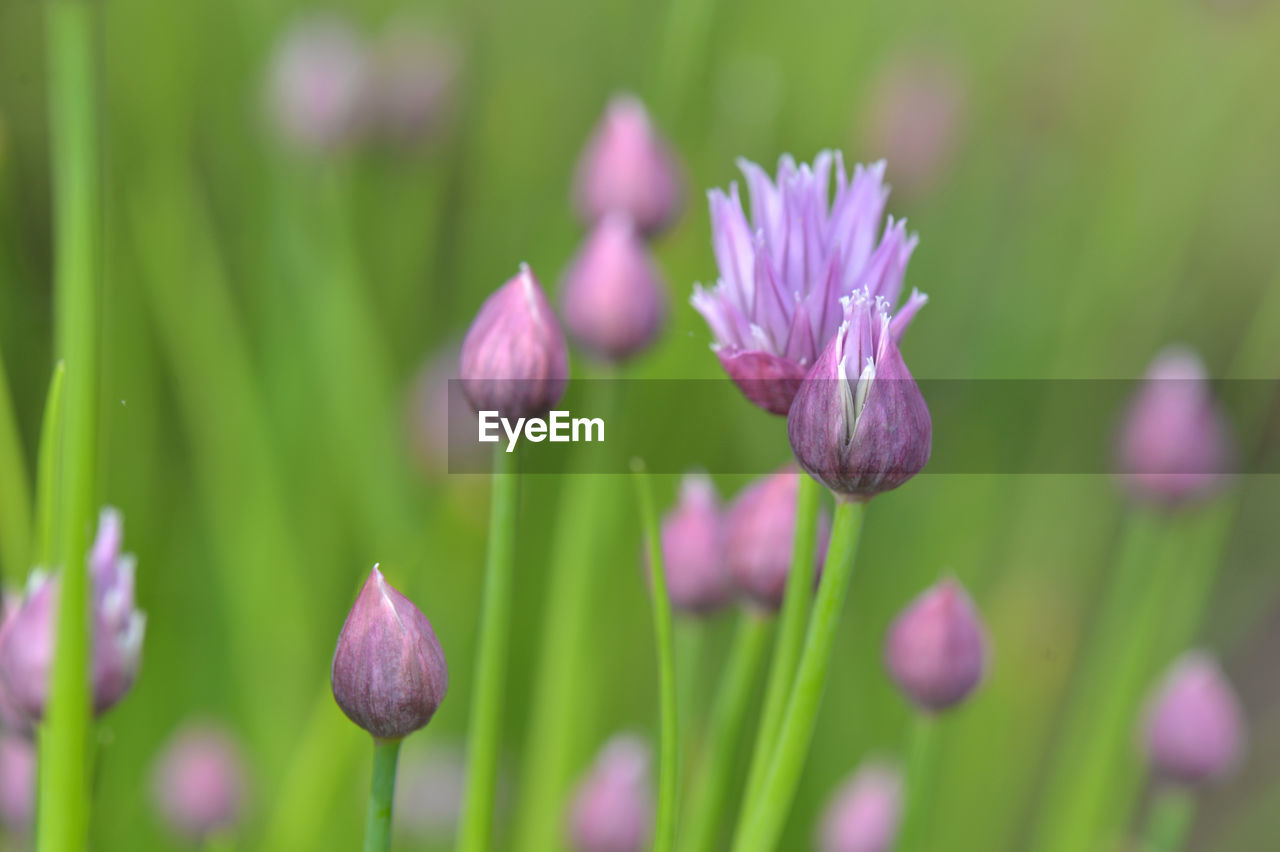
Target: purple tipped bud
859	423
760	531
1174	444
1194	727
613	805
17	783
936	651
318	80
628	168
613	294
389	673
698	579
414	73
514	357
199	782
863	814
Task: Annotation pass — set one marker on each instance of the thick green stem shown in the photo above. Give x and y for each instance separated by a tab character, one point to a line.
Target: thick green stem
476	828
382	794
764	826
922	761
63	818
669	767
1172	813
786	654
710	792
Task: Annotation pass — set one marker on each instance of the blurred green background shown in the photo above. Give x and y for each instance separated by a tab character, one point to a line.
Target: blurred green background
1108	185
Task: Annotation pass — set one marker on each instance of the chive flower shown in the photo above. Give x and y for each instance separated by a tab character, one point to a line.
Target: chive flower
936	650
613	805
199	781
864	813
693	550
760	531
1194	728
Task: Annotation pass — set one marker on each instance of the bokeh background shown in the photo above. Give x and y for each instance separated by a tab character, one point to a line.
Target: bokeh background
1089	181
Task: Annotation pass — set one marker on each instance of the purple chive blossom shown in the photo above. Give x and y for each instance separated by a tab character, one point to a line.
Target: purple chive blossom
784	273
199	782
1194	727
760	531
627	167
936	651
1174	444
389	673
613	806
864	813
693	550
613	294
859	423
17	783
514	357
317	84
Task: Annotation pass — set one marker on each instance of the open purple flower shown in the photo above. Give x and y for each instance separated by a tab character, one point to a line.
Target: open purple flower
784	272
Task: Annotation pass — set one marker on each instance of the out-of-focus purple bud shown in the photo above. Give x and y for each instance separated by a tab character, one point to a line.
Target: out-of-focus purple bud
317	84
12	719
627	167
1174	444
914	117
760	531
1194	727
613	294
863	814
199	782
17	783
415	70
859	423
936	650
514	358
389	673
693	550
613	805
429	790
26	647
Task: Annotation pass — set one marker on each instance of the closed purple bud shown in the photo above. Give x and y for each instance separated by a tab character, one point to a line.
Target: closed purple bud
863	814
389	673
936	651
317	84
514	357
628	168
17	783
693	550
613	295
414	75
613	805
199	782
1194	727
859	423
1174	444
760	532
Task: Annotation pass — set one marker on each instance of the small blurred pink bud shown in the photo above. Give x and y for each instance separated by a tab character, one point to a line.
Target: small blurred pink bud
415	70
317	84
760	531
863	814
1194	727
613	806
17	783
199	782
936	651
698	579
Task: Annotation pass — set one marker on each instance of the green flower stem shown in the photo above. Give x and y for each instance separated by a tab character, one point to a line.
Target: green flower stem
710	791
1172	813
476	827
690	640
922	761
62	823
669	767
790	641
764	825
382	794
47	467
15	491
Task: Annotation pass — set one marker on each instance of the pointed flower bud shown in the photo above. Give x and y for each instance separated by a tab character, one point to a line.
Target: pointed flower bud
628	168
317	84
863	814
783	274
1194	727
1174	444
613	805
514	357
936	651
613	295
859	423
389	673
17	783
693	542
199	782
760	531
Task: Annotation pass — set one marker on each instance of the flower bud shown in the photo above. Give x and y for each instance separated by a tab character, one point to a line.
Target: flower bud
389	673
859	423
199	781
514	357
698	579
863	814
613	295
1174	444
628	168
317	84
613	805
1194	726
936	650
17	783
760	532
